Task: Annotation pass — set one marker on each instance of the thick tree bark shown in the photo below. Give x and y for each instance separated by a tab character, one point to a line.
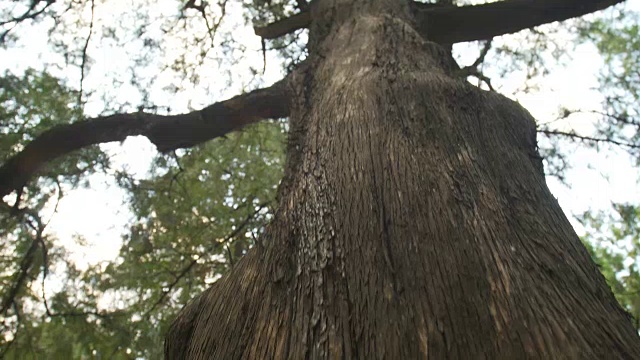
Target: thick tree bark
414	221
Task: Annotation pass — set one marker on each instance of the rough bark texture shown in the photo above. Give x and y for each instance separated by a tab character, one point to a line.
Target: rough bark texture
414	221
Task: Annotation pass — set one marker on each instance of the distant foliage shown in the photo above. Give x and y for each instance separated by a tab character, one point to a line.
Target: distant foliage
29	105
614	243
614	237
618	40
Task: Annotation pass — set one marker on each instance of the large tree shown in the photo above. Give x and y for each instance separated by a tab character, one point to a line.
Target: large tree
413	220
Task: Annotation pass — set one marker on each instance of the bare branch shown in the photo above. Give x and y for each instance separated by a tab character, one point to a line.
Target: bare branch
445	24
483	78
472	70
166	132
483	54
284	26
30	14
83	65
302	4
588	138
201	7
618	118
9	344
23	272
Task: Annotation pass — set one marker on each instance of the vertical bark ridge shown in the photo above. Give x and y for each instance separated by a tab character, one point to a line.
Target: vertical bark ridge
414	222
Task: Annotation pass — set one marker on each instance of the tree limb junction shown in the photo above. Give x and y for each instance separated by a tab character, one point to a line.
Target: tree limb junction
447	24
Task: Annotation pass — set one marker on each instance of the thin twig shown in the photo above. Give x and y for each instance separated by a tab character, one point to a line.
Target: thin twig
23	271
9	343
588	138
619	118
229	254
25	16
192	263
483	54
84	54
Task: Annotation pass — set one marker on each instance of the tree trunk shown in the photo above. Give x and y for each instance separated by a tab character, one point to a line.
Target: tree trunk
414	221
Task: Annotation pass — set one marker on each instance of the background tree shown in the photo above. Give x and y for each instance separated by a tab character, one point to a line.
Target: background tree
179	211
613	236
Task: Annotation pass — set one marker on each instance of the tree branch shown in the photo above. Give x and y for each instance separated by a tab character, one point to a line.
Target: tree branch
284	26
166	132
591	139
20	277
472	70
29	14
83	64
444	24
453	24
